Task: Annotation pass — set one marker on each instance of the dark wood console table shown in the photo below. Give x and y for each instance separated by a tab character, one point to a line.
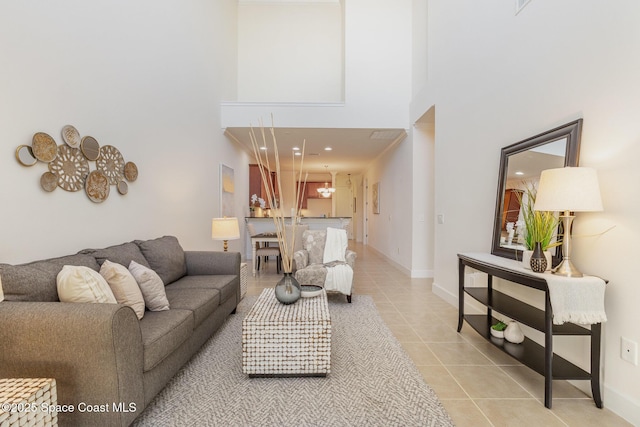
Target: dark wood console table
539	358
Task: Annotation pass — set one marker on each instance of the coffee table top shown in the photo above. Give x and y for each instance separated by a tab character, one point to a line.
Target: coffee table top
268	309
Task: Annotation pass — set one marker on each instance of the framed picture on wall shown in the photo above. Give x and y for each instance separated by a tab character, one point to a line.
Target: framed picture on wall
227	189
375	198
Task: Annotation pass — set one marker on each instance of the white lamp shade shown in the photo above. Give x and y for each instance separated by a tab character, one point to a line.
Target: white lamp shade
573	189
225	229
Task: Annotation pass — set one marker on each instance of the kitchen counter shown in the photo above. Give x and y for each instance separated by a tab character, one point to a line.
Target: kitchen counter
264	224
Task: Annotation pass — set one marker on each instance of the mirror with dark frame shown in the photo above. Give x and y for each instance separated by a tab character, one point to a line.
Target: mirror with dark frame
520	166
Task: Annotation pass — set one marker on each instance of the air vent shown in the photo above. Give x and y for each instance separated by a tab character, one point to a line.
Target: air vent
385	134
520	4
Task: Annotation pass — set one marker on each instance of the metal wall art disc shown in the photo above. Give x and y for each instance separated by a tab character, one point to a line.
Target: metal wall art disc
71	136
123	187
49	181
97	187
44	147
111	163
130	171
71	167
90	148
25	156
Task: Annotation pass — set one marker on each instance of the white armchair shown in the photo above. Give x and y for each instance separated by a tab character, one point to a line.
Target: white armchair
309	261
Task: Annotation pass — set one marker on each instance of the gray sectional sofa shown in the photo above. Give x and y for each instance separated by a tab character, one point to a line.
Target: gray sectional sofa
101	354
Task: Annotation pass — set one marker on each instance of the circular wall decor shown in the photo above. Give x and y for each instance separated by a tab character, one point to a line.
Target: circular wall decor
71	136
44	147
97	187
130	171
49	181
123	187
111	163
25	156
71	168
90	148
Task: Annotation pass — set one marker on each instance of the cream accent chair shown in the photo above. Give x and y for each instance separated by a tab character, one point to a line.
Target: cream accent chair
308	261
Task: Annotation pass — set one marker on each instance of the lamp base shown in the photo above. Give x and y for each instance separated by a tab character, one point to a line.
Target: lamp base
567	269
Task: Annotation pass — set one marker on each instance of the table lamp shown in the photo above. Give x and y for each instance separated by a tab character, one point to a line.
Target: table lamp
225	229
567	190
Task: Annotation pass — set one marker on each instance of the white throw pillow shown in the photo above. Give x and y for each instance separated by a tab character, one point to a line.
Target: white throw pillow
124	286
1	293
151	286
82	284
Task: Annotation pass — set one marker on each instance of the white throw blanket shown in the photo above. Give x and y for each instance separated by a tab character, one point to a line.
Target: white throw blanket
576	302
339	274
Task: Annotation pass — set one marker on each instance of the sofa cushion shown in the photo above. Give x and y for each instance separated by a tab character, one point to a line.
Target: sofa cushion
162	333
202	302
165	256
122	254
151	286
82	284
124	286
226	284
36	281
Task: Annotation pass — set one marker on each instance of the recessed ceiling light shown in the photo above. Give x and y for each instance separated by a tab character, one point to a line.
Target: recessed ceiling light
263	148
297	153
328	148
296	148
519	173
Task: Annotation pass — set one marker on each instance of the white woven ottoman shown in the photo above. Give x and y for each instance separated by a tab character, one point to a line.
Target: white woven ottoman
28	402
287	340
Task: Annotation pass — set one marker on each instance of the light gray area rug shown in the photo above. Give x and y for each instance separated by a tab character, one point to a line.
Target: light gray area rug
372	382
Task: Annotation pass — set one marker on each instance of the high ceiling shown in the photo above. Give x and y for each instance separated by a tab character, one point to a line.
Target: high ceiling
351	149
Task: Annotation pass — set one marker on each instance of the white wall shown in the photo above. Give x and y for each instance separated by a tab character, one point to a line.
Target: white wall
499	78
146	77
377	76
290	52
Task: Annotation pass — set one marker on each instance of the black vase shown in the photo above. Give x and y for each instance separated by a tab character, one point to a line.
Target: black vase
538	260
288	289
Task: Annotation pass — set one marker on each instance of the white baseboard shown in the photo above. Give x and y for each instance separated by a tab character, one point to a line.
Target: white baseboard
622	405
402	268
444	294
422	274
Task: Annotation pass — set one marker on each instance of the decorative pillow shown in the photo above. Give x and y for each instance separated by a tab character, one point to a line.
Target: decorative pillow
124	286
151	286
82	284
1	293
165	256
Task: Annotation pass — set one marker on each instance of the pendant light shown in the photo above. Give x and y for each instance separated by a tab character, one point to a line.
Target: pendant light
326	191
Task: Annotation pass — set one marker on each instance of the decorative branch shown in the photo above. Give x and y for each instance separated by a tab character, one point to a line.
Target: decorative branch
285	242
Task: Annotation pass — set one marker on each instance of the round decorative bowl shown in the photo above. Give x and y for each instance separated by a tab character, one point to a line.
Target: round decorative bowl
309	291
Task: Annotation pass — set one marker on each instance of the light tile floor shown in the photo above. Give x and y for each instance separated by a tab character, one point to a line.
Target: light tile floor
478	384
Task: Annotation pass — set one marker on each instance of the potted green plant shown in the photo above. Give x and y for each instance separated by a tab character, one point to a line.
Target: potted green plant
539	226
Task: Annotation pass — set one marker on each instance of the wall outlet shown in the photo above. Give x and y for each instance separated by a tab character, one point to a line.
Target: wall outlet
629	350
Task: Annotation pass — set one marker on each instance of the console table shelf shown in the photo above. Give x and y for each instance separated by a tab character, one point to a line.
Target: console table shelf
539	358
